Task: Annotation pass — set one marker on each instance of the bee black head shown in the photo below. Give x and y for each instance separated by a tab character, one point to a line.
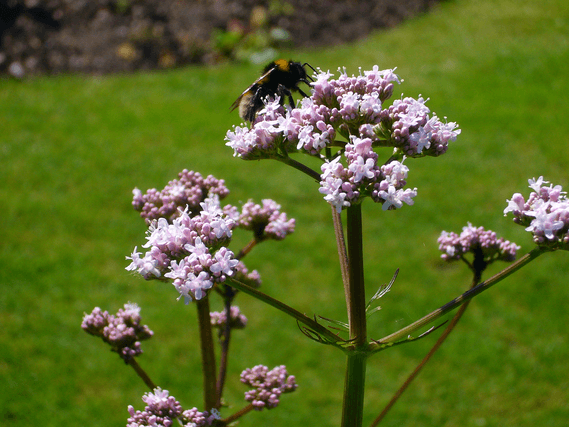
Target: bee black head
299	70
290	72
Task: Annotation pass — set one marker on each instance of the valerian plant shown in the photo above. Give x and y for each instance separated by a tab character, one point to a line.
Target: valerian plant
362	143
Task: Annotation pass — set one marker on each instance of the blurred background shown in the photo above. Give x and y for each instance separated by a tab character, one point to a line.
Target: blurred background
104	36
99	97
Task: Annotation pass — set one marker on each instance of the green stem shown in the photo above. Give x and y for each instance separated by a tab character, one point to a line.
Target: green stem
208	355
330	337
451	305
341	244
355	291
354	385
225	338
141	373
237	414
435	347
353	405
300	166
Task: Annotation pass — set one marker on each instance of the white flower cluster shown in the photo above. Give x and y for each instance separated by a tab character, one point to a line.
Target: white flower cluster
545	213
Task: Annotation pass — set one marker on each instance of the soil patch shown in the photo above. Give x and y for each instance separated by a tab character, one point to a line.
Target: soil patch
105	36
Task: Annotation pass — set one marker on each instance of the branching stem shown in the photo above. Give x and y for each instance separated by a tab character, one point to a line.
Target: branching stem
451	305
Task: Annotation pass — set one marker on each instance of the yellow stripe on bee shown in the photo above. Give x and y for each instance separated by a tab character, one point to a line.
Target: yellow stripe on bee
282	64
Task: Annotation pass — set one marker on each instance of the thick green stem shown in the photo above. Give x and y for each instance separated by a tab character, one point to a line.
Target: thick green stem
355	291
352	411
352	414
208	355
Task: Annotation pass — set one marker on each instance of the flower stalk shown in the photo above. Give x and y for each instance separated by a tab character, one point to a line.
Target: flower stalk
208	355
450	327
300	167
391	339
354	383
354	289
341	245
237	415
142	374
225	338
327	336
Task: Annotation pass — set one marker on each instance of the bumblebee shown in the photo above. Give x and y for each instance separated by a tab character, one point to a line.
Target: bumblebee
279	78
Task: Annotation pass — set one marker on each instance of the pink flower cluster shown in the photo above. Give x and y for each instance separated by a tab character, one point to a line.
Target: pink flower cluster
242	274
266	220
194	418
343	186
351	108
164	410
219	318
267	385
190	246
188	191
455	246
189	250
122	332
545	214
408	127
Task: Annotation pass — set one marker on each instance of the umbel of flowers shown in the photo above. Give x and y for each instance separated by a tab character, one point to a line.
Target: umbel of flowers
267	385
342	123
164	410
189	244
472	239
122	332
545	214
237	320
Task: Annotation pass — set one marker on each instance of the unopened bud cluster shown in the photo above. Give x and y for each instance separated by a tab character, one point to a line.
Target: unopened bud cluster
237	319
267	385
164	410
186	192
242	274
454	246
545	214
123	331
266	221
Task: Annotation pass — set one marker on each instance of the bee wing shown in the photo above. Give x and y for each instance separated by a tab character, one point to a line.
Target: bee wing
238	100
250	88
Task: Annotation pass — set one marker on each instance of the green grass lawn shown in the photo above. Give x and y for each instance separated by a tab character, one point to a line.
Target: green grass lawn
73	147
